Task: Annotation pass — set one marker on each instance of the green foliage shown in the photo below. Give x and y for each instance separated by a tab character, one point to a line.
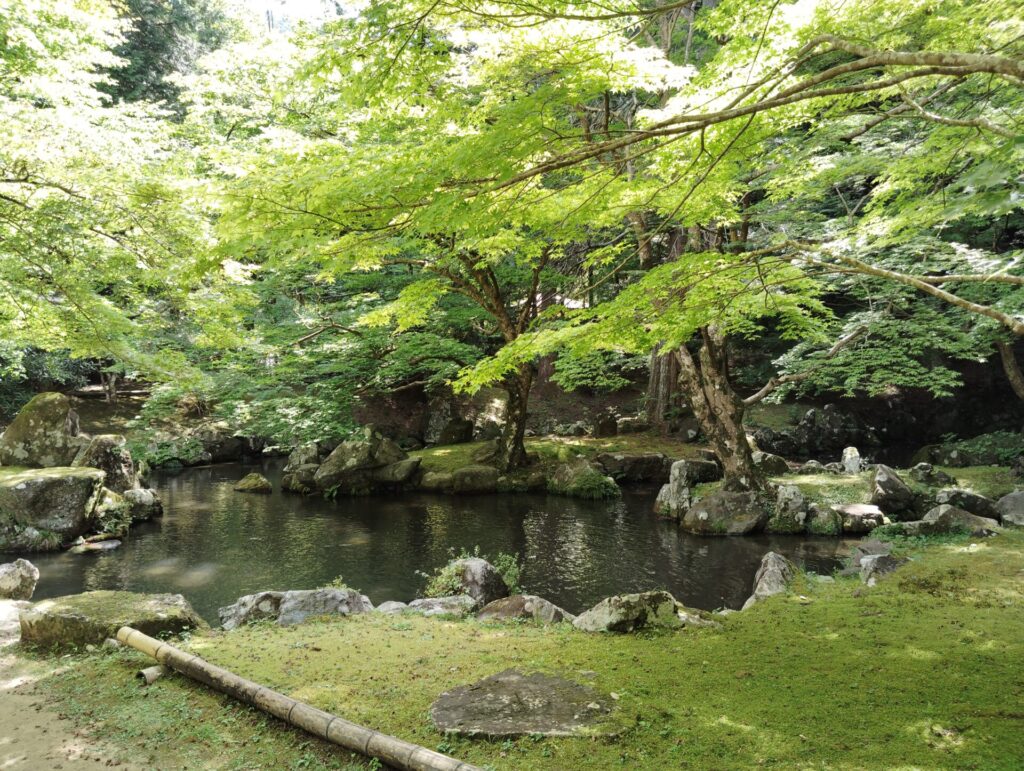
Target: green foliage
597	370
1000	448
447	579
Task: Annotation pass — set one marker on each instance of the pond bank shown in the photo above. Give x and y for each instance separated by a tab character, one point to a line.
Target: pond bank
920	670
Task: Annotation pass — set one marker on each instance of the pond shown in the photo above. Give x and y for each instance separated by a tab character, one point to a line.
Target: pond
214	545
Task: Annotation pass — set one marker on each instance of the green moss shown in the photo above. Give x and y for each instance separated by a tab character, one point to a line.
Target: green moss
926	661
991	481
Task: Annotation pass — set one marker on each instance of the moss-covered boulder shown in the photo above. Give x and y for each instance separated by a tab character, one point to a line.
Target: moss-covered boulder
41	508
109	453
92	617
365	464
629	612
476	478
579	478
528	607
254	483
727	513
43	434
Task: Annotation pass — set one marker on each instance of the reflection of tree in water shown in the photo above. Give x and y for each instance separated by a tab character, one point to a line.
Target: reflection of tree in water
214	545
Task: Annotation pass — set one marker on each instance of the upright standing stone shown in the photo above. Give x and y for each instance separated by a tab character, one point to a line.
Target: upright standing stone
851	460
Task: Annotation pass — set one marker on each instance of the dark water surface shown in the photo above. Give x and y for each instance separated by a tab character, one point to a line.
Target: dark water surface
214	545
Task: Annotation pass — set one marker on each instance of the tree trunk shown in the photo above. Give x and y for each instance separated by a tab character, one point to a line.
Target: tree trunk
719	409
511	449
662	393
109	381
1011	367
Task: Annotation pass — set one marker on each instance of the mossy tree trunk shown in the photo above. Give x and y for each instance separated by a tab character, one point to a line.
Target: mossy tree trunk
511	447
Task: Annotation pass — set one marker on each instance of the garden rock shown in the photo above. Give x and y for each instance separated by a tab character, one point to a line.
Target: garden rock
456	431
629	612
366	464
455	605
968	501
60	500
607	424
391	607
851	460
143	504
436	481
254	483
769	464
874	566
632	425
772	577
109	453
18	580
511	704
860	518
927	474
676	497
92	617
475	479
791	511
301	479
293	607
480	579
579	478
726	513
524	606
891	494
950	519
823	521
1011	509
43	434
813	467
634	467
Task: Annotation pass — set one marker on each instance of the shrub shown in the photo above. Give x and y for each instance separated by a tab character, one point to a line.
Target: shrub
447	579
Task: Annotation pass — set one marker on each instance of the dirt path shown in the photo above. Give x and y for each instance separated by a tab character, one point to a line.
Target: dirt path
32	735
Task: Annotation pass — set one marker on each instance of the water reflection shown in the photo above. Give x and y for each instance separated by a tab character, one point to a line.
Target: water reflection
214	545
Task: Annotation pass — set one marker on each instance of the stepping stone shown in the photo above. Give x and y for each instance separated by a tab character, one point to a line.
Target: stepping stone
511	703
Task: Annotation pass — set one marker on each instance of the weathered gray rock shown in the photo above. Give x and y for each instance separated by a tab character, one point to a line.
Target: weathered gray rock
772	577
950	519
874	566
455	605
391	607
851	460
769	464
869	547
812	467
254	483
43	434
834	468
676	497
60	501
307	454
632	425
927	474
823	521
634	467
629	612
891	494
511	704
579	478
968	501
436	481
144	504
365	464
1011	509
456	431
791	511
480	580
92	617
726	513
476	478
860	518
524	606
109	453
294	607
301	479
18	580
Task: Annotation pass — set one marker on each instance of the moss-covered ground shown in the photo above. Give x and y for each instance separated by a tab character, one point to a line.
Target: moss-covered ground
921	671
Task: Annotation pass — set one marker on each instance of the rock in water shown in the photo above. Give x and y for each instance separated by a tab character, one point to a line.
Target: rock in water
294	607
791	511
579	478
511	703
773	577
55	502
726	513
109	453
143	504
524	606
476	478
629	612
18	580
364	465
676	497
851	460
43	434
254	483
634	467
92	617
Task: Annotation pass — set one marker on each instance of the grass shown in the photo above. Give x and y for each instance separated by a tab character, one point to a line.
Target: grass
921	671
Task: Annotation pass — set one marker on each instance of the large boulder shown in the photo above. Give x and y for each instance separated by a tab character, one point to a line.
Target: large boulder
676	497
927	474
634	467
18	580
773	577
823	521
726	513
288	608
109	453
791	511
579	478
301	479
950	519
90	618
480	579
629	612
512	703
1011	509
43	434
59	502
860	518
769	464
891	494
476	478
968	501
254	482
524	606
143	504
365	464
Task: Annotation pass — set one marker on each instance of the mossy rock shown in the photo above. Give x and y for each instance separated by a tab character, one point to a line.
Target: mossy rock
43	434
58	500
579	478
89	618
254	483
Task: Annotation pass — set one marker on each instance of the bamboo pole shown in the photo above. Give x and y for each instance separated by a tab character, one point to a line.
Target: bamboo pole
389	749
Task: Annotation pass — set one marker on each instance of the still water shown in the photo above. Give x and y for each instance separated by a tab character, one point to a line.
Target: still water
214	545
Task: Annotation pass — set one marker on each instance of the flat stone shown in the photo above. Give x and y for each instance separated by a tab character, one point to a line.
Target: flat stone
391	607
511	704
860	518
524	606
874	566
455	605
293	607
92	617
726	513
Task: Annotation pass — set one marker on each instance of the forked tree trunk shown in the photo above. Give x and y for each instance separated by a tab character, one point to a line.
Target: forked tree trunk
511	449
719	409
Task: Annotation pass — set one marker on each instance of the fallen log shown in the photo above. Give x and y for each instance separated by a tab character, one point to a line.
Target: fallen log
388	749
